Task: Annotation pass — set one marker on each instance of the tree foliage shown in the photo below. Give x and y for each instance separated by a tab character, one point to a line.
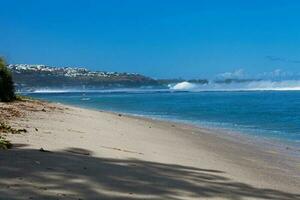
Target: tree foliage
7	90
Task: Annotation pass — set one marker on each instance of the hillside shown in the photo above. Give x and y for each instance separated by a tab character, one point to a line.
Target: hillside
30	77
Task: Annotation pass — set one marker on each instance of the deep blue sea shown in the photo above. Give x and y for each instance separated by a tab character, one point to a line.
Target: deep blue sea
266	114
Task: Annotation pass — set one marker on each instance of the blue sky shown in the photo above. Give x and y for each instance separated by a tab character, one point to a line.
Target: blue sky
162	39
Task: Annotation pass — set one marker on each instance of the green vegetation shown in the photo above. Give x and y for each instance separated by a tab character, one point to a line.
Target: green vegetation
4	144
4	128
23	98
7	90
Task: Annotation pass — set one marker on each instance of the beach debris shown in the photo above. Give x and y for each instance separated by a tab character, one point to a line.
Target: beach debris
124	150
22	130
43	150
9	112
44	110
120	115
4	128
42	188
79	151
36	129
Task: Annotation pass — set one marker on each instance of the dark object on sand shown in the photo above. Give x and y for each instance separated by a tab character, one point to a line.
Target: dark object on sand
22	130
43	150
79	151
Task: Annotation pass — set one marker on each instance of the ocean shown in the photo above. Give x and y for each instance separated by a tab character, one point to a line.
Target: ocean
261	114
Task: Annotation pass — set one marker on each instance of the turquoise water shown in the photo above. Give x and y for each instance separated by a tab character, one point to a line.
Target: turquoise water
268	114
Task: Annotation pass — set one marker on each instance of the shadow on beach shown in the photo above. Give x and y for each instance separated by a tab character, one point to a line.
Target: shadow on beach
71	174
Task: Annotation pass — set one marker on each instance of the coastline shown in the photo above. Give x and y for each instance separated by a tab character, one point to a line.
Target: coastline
287	148
273	144
157	153
273	127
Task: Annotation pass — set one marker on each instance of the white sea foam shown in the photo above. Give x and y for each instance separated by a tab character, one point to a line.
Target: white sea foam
51	91
121	90
264	85
184	86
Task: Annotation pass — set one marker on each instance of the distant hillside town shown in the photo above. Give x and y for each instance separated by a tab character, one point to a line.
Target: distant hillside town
63	71
30	77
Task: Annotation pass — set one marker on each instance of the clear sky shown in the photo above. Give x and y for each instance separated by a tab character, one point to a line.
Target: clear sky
159	38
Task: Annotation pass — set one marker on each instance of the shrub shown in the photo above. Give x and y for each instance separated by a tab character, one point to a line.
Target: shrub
4	144
7	90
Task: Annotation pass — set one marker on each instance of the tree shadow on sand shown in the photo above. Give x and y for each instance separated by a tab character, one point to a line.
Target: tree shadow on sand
75	174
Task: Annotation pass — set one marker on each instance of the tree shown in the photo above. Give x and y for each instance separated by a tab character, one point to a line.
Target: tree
7	90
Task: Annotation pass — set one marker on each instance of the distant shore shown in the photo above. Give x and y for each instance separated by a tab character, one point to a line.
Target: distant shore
75	153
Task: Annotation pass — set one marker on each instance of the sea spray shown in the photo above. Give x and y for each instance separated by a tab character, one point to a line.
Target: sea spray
260	85
184	86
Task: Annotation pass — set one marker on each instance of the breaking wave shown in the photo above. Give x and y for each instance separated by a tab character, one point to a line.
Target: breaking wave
263	85
121	90
52	91
183	86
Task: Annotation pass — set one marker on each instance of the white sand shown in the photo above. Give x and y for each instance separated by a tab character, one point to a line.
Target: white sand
99	155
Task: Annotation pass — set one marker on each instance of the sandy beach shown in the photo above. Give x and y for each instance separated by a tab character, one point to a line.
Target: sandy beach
74	153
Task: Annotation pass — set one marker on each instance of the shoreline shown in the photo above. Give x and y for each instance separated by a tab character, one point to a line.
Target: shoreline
286	147
157	152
